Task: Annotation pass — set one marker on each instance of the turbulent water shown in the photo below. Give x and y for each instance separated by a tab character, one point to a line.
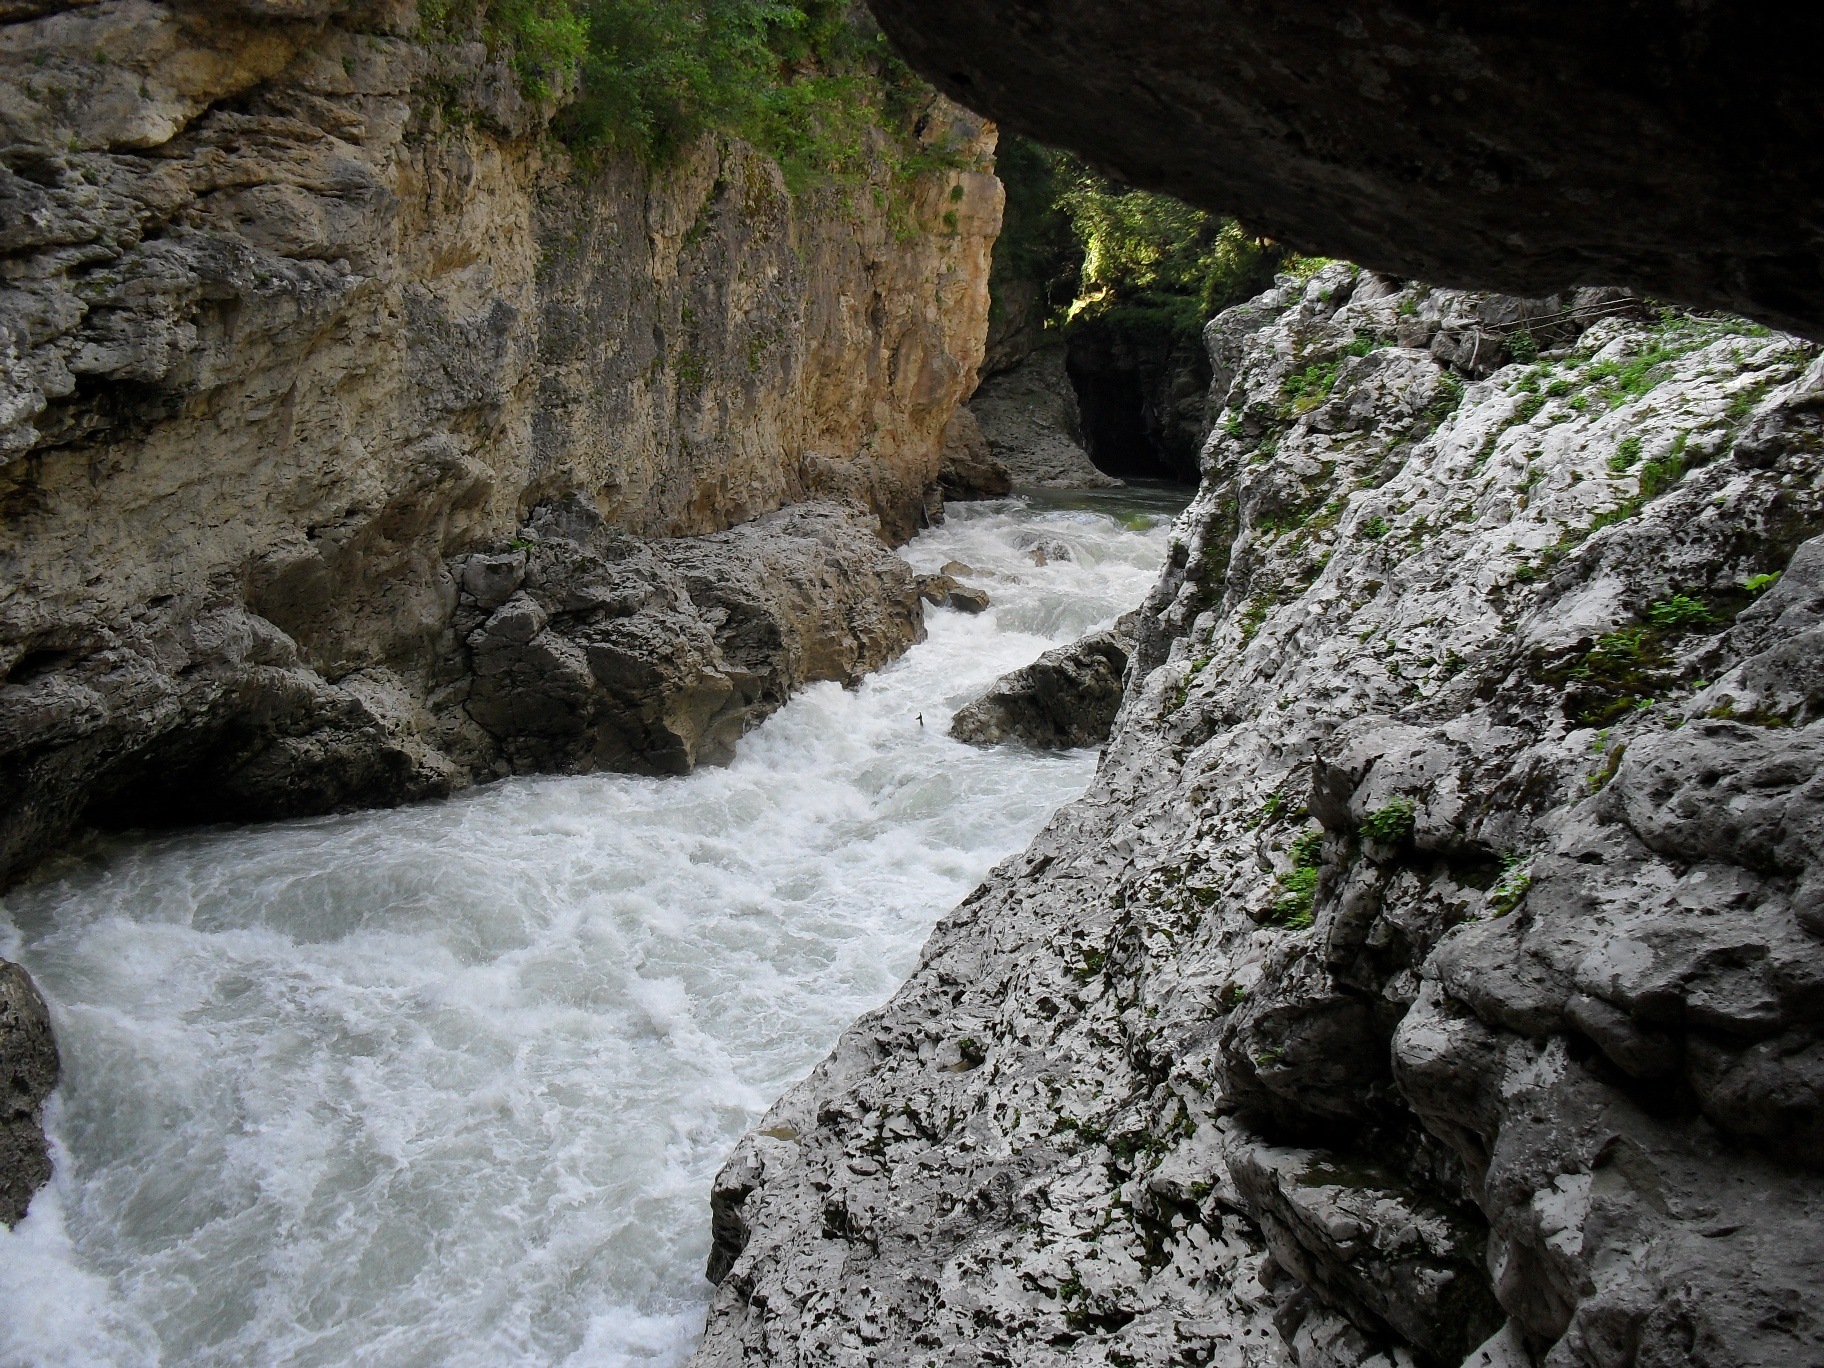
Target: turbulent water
447	1085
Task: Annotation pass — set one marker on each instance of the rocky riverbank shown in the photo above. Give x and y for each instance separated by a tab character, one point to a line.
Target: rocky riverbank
301	311
1434	965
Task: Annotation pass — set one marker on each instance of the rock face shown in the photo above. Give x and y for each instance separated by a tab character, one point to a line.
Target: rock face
969	469
1068	697
28	1072
593	650
1029	417
574	648
1433	972
1446	147
300	310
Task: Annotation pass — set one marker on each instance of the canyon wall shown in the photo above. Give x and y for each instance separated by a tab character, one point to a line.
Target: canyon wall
302	310
1433	972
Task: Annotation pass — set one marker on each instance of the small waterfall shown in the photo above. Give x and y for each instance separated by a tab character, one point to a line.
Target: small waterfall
447	1085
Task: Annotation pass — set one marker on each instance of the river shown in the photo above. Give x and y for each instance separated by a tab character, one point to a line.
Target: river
447	1085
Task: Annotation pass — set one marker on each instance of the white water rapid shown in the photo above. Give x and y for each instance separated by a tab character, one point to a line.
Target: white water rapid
447	1085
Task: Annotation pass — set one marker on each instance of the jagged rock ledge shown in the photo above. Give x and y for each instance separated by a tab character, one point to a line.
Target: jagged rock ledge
571	648
1435	956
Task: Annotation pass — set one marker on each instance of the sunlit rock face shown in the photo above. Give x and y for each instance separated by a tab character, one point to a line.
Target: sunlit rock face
1525	147
1434	967
300	311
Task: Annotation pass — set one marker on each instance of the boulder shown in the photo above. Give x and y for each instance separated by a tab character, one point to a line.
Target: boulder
967	598
1066	698
28	1072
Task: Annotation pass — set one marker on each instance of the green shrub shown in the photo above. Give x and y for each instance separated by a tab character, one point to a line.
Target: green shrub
1105	253
1294	908
804	80
1305	390
1680	613
1623	670
1307	849
1508	894
1391	824
1663	471
1760	584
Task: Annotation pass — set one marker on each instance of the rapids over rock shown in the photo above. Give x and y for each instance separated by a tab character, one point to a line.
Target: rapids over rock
448	1084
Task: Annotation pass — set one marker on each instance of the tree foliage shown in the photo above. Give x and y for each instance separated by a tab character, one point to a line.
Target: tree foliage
1099	249
808	81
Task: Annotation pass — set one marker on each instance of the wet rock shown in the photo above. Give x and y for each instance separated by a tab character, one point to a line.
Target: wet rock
1066	698
656	657
28	1072
1443	152
935	589
967	599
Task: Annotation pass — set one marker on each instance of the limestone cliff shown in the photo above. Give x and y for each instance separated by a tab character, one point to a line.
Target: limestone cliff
301	309
1433	973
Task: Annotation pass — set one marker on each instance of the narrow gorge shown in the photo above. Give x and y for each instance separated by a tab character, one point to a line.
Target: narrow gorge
694	682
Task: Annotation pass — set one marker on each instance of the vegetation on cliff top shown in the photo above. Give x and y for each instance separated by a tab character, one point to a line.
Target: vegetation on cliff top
807	81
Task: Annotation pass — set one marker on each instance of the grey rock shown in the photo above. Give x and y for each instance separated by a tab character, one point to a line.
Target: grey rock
1066	698
1387	1256
1359	883
969	469
655	657
28	1072
1028	416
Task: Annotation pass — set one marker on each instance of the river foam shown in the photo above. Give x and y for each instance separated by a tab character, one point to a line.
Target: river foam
447	1085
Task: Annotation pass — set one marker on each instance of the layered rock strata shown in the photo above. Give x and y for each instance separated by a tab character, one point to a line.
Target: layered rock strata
1527	147
300	309
1432	972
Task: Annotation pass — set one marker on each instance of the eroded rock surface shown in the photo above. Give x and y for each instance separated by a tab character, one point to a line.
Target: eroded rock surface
1528	147
1028	415
588	649
1432	971
576	647
301	306
1067	697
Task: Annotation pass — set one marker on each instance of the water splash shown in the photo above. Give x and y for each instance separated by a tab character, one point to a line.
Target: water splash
447	1085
